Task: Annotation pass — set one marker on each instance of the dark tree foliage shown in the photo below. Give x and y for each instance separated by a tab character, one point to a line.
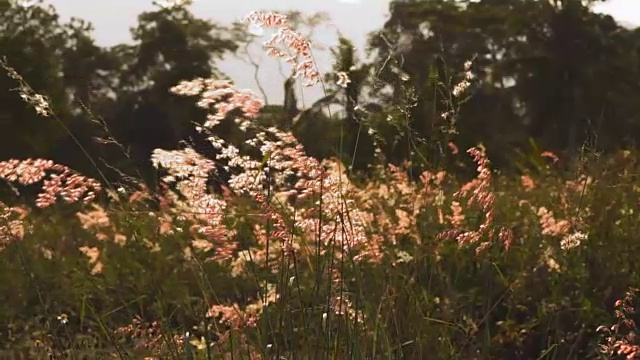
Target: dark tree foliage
32	41
554	71
171	45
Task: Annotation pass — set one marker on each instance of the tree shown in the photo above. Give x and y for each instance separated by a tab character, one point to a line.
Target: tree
573	70
555	71
32	41
346	134
171	45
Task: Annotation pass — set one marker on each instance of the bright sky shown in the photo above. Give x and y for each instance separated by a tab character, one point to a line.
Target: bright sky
627	12
354	18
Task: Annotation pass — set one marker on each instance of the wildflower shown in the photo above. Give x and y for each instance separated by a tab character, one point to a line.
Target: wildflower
182	163
467	65
62	181
553	265
47	253
269	20
287	44
201	245
479	193
465	83
453	147
460	88
573	240
94	219
527	182
550	226
220	95
402	257
548	154
425	29
39	103
63	318
12	228
621	338
579	185
457	216
548	260
342	306
93	253
199	344
120	239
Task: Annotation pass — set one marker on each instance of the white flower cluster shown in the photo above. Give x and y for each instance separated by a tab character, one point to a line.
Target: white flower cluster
573	240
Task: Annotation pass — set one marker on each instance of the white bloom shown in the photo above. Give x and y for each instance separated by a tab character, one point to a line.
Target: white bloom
573	240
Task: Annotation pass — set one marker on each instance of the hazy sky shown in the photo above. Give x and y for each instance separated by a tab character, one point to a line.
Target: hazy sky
354	18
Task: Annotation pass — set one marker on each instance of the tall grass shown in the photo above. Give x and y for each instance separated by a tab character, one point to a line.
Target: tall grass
292	259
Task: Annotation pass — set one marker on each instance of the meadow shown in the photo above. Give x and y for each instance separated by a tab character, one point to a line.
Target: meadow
291	257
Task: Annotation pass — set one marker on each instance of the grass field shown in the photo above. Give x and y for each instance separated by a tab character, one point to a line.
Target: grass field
293	259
